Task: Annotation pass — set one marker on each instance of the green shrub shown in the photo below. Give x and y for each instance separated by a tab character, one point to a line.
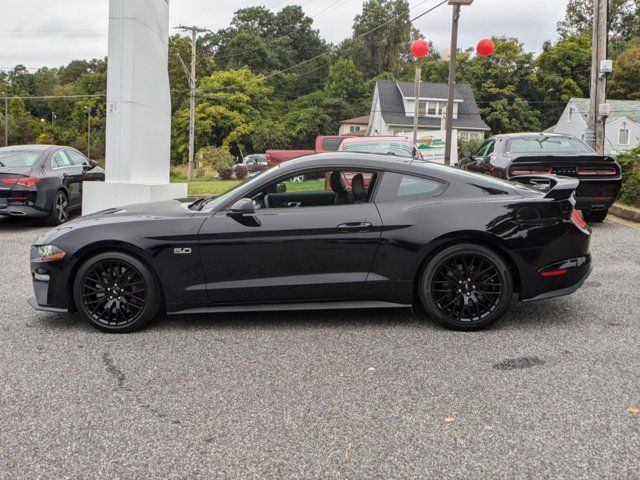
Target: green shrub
240	171
630	163
216	158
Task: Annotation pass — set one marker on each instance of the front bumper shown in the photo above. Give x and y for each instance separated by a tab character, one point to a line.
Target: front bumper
33	302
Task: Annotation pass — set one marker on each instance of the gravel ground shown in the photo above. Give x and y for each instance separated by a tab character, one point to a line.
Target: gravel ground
371	394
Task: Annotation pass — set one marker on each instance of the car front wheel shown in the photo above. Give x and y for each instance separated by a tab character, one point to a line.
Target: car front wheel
116	292
466	287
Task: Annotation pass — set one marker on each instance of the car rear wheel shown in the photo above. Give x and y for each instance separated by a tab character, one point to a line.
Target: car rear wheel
116	292
59	212
466	287
595	217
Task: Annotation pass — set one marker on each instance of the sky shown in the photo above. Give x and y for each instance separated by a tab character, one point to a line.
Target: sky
38	33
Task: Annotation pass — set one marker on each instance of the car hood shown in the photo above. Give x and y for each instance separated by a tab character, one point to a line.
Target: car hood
142	212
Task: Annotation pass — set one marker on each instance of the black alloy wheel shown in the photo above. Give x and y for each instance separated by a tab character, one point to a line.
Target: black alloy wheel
595	216
59	210
116	292
466	287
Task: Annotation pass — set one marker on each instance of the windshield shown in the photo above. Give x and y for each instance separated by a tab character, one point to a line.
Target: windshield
18	158
548	145
387	147
222	199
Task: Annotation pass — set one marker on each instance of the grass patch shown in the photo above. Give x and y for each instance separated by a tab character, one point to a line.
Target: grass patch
215	187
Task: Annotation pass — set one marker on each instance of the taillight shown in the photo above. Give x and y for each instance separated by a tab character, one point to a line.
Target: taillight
520	171
22	181
597	171
553	273
576	218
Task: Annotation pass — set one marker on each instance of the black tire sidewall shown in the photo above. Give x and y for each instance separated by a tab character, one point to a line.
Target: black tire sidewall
595	217
152	305
430	269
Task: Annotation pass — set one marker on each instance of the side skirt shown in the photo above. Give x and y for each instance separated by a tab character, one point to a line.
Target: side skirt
290	307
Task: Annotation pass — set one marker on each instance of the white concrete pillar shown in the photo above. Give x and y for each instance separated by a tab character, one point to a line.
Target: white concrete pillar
138	131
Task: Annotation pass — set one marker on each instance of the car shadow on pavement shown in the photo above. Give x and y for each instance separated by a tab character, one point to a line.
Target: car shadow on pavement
17	224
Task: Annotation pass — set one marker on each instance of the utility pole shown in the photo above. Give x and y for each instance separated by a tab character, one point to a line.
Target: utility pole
452	77
598	93
416	95
192	94
6	121
88	109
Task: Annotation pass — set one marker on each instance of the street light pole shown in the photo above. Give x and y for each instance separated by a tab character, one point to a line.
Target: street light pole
452	77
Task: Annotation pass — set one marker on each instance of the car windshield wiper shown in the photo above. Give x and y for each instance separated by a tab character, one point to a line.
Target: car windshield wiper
200	203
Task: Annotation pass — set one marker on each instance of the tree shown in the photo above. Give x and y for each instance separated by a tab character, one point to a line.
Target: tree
625	83
381	50
624	20
229	103
345	81
563	72
503	85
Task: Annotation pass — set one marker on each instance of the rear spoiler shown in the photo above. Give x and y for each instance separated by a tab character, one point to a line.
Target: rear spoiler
560	158
557	188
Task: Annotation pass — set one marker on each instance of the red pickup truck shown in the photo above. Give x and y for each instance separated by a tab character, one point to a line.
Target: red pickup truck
324	143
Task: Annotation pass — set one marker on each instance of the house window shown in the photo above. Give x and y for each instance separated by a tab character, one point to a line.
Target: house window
570	114
623	136
354	128
433	108
422	107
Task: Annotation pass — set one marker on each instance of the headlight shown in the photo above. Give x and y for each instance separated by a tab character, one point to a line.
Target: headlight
50	252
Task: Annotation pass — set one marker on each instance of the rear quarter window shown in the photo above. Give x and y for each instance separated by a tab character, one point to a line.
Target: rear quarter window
399	186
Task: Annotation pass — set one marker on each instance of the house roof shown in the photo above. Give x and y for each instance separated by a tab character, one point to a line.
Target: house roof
392	106
364	120
619	108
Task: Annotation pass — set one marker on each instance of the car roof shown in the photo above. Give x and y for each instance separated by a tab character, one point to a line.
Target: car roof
533	135
31	148
369	139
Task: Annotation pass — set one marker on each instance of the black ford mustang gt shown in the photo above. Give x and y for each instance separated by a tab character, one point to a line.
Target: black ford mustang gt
44	181
523	154
405	232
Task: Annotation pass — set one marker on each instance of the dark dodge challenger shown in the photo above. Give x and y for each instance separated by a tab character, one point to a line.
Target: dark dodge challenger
524	154
406	232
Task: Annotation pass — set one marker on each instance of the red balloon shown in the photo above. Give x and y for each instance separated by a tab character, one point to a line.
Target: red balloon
419	48
486	47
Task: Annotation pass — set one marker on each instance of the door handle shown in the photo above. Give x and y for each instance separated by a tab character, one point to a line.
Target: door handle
354	227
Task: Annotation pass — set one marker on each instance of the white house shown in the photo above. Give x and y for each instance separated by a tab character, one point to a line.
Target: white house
622	128
394	104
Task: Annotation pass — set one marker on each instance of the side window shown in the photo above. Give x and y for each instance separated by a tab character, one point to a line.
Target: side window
313	189
396	186
76	158
61	160
485	149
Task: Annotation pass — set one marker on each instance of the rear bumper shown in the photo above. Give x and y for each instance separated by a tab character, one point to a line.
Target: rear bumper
565	286
577	270
21	211
597	194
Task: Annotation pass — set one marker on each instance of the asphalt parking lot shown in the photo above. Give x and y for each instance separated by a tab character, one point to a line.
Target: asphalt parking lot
366	394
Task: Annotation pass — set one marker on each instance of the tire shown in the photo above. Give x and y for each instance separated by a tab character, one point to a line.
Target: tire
59	212
116	292
454	301
595	217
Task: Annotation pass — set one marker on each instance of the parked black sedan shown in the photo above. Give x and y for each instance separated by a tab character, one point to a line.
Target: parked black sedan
459	243
44	181
521	154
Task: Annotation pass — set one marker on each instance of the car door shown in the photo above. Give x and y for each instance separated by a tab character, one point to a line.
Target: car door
71	176
291	253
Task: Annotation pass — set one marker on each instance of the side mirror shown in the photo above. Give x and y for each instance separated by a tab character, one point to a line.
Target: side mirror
281	188
244	205
91	166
